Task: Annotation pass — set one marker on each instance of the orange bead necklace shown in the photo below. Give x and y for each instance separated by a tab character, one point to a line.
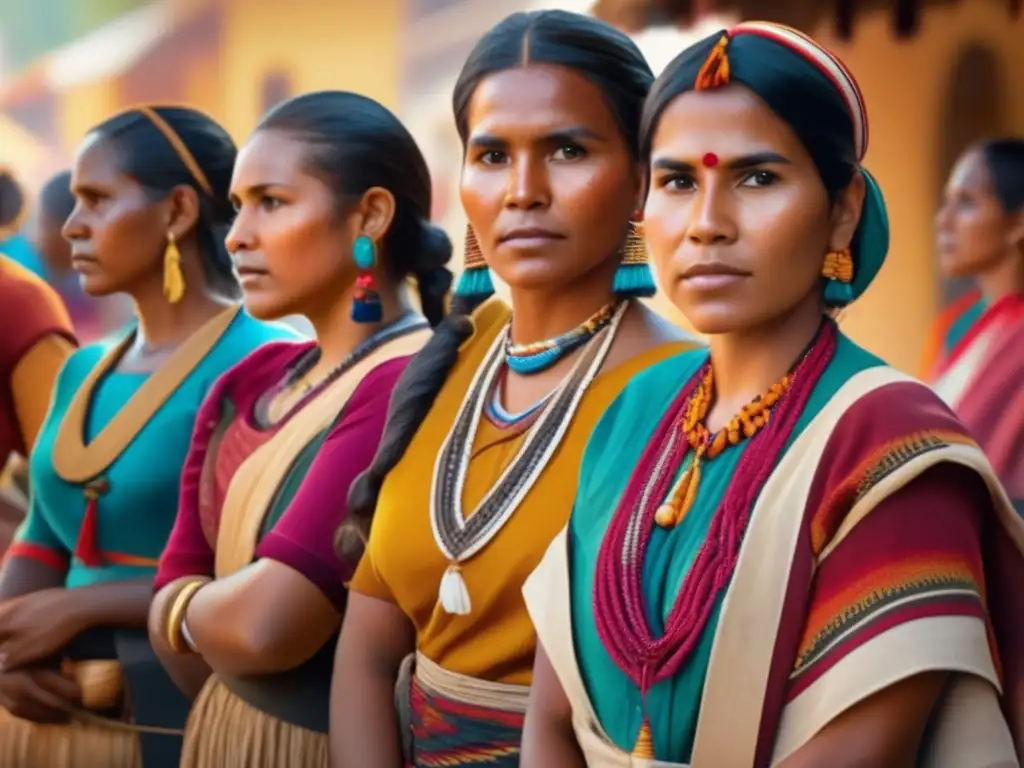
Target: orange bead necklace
706	446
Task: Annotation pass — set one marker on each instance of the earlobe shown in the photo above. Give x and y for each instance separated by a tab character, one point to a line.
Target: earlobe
642	187
847	212
377	209
184	211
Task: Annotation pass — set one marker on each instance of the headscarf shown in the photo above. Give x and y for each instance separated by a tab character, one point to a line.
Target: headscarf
809	88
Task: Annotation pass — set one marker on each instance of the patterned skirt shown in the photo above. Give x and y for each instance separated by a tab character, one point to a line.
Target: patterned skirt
457	721
226	732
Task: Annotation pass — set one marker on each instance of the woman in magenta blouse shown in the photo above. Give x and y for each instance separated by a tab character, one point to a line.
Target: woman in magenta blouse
333	200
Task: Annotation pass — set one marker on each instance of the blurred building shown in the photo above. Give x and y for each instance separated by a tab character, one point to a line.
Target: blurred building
231	58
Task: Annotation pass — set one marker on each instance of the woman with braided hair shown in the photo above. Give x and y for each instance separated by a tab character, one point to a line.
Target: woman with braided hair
152	208
477	466
333	199
803	559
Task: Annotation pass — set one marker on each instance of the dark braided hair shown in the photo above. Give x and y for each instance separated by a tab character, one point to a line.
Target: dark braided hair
147	156
595	50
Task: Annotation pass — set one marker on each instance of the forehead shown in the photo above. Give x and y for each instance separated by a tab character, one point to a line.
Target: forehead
533	100
971	172
96	162
269	156
729	122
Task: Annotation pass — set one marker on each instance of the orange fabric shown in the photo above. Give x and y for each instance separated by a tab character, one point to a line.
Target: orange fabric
935	343
403	564
32	383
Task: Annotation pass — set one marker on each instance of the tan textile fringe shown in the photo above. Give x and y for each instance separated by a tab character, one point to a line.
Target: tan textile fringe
225	732
24	744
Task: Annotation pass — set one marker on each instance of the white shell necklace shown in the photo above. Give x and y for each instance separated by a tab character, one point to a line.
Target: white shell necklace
460	537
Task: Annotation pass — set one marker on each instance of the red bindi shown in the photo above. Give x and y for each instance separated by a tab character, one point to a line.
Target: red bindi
710	160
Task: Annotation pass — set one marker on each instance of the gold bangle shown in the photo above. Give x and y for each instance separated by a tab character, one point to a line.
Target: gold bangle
177	615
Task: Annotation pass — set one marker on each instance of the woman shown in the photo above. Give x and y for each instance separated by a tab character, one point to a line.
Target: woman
852	627
151	189
333	200
979	369
92	318
548	108
36	340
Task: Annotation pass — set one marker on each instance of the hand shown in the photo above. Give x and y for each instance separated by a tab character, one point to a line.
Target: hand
39	695
37	625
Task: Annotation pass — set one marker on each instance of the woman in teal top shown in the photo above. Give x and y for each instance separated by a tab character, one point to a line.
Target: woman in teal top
782	552
672	705
150	217
55	531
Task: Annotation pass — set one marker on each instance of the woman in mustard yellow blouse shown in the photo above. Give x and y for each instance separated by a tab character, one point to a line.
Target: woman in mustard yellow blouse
477	468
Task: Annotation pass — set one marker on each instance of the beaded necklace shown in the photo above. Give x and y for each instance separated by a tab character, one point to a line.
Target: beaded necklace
525	359
745	424
461	536
295	378
619	601
502	418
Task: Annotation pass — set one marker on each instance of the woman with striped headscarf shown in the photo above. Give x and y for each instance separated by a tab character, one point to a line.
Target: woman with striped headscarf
149	221
804	559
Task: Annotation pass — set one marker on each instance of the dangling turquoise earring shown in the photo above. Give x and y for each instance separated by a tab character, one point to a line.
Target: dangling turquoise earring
633	278
365	300
475	282
838	274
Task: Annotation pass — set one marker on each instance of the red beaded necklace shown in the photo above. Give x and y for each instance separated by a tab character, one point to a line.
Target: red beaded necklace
619	602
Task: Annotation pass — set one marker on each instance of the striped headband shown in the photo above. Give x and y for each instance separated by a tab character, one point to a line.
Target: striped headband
810	51
179	147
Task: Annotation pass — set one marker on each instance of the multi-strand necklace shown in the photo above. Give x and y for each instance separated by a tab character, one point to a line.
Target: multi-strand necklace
500	417
619	599
459	536
706	446
409	322
540	355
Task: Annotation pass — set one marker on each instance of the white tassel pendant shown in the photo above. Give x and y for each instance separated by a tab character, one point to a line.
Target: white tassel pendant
454	595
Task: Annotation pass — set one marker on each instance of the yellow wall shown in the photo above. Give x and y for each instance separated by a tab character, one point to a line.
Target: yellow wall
905	86
321	44
81	108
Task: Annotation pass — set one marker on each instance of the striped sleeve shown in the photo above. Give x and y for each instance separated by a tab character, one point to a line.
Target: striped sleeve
916	554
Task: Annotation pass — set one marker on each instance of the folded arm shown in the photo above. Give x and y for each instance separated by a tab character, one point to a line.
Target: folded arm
548	735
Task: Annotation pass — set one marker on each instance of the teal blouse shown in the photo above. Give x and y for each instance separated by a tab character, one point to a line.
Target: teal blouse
614	449
136	515
962	325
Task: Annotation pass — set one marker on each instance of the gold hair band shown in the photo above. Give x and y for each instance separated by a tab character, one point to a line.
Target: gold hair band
179	146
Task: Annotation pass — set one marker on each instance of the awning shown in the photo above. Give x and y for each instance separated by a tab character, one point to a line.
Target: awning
636	15
106	52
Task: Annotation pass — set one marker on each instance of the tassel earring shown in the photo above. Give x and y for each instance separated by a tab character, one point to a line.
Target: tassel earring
365	300
174	279
633	278
838	273
475	282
